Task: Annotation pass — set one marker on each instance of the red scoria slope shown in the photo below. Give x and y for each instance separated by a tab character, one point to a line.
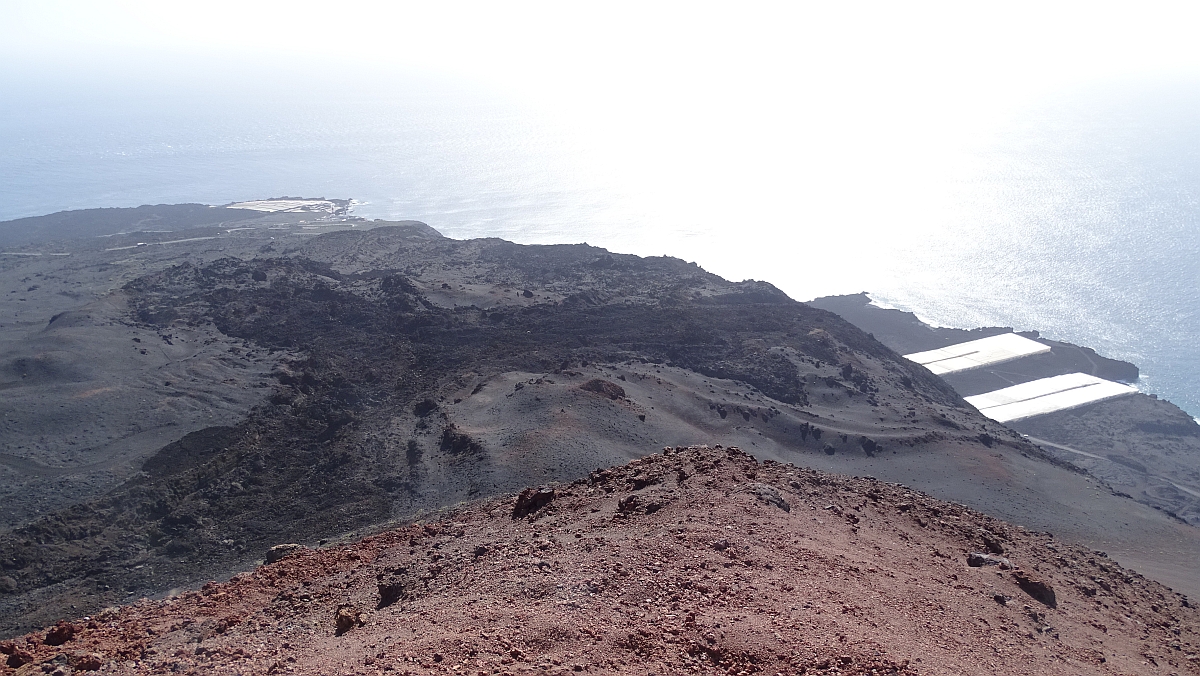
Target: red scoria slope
695	560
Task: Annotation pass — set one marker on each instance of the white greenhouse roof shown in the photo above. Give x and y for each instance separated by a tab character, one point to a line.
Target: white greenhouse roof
1046	396
285	205
976	353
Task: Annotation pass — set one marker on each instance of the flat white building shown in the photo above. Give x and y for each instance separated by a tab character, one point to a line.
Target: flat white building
977	353
286	205
1047	395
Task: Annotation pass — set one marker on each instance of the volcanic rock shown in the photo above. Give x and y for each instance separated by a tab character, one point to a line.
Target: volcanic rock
770	495
278	552
1036	587
604	387
346	618
255	392
978	559
991	542
531	500
716	581
61	633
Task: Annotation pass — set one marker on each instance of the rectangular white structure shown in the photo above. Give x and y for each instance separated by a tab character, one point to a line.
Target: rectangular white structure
976	353
1047	395
285	205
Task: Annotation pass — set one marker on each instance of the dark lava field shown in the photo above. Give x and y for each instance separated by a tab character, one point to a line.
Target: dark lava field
183	387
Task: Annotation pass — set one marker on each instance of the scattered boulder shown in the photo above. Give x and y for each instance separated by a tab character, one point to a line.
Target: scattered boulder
531	500
604	387
87	662
628	504
1039	589
991	541
869	445
979	559
347	618
61	633
770	495
279	552
17	656
424	407
393	586
458	443
632	504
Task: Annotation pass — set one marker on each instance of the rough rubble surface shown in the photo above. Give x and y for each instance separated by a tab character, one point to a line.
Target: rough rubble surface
694	560
260	386
392	404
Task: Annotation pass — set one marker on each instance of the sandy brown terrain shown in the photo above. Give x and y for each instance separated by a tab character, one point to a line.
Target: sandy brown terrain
692	560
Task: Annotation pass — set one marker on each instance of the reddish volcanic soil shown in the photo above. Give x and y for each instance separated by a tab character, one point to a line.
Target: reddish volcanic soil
694	560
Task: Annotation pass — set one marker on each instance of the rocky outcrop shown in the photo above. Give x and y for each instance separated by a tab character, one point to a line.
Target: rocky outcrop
1036	587
604	388
531	500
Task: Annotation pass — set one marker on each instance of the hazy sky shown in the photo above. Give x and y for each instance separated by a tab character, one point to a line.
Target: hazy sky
941	68
970	54
724	107
860	112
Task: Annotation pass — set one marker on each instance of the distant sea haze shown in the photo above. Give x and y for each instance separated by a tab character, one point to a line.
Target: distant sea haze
1080	220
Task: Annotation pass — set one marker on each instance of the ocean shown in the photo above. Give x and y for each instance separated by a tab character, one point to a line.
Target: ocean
1076	216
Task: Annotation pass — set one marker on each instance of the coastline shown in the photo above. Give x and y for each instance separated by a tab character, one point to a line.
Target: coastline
1152	359
1142	446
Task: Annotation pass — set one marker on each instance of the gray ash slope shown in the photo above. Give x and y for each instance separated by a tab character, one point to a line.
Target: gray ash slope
363	427
86	395
410	372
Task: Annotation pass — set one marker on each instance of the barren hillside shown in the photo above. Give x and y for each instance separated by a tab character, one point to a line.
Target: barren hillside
177	402
693	560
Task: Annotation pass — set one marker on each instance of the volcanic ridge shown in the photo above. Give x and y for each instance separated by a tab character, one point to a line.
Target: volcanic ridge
692	560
